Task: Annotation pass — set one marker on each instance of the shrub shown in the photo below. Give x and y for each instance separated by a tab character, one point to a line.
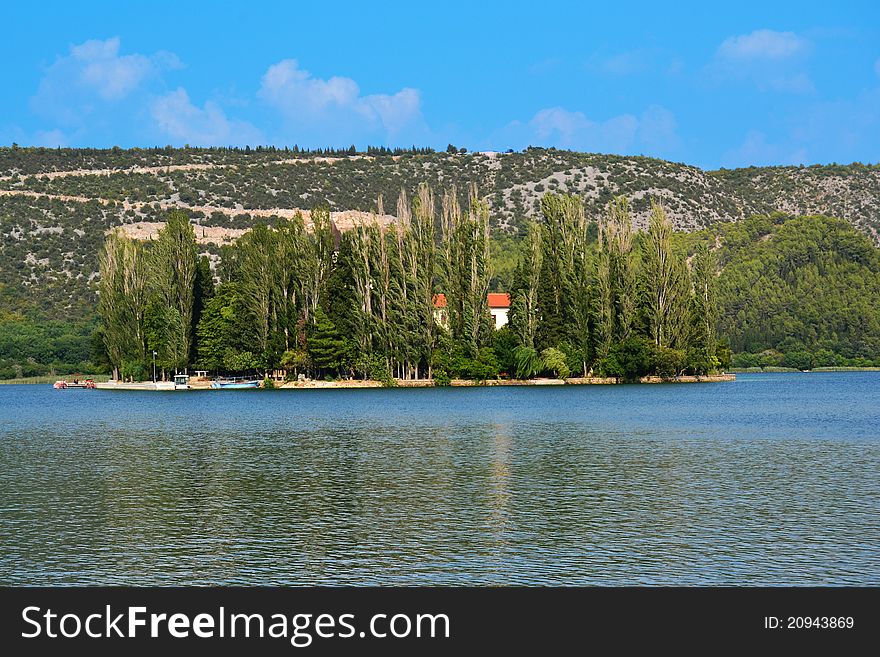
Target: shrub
629	359
672	362
800	360
528	362
554	359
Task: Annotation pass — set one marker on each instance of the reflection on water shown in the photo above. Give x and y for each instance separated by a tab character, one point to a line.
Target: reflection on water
768	480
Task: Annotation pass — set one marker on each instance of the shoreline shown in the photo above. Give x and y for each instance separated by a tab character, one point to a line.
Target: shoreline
205	384
103	382
467	383
790	370
425	383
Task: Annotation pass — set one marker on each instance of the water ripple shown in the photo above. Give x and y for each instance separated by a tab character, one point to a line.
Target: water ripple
768	480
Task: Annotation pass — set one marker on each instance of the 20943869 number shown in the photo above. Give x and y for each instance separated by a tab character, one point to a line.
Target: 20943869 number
810	622
821	622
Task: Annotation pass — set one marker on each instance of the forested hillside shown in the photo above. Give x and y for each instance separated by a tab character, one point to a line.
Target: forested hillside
799	292
56	206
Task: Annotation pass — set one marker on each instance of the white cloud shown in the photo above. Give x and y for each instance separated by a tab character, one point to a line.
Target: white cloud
567	129
638	61
658	131
544	66
769	60
182	122
797	83
755	150
625	63
50	138
102	68
93	75
763	44
96	95
653	132
334	111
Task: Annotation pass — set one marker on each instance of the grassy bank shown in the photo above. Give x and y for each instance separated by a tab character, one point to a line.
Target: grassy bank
53	379
759	370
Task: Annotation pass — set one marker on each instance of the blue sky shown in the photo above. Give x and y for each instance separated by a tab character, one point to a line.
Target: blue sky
713	85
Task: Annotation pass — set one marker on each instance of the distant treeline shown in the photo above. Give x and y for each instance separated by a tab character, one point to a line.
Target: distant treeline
36	159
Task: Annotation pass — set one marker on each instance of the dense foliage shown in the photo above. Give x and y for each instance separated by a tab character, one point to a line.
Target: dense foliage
799	292
363	303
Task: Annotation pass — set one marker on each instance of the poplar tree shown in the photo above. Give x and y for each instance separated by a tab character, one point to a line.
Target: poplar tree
256	285
615	277
361	249
524	311
466	270
564	297
704	273
665	282
318	260
422	261
122	301
174	264
290	260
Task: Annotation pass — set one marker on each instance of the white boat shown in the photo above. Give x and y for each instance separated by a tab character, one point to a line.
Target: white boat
234	384
135	385
181	382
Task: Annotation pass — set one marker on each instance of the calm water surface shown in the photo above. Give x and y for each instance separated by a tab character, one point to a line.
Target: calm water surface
772	479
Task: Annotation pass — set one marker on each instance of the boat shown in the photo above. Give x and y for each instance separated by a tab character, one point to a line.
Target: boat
234	384
76	383
136	385
181	382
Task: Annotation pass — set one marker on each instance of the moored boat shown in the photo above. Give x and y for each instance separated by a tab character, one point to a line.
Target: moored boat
136	385
234	384
76	383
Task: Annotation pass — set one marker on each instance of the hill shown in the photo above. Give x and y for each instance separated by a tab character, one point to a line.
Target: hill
798	292
56	204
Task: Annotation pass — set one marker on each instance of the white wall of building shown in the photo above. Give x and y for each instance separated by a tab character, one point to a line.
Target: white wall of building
500	316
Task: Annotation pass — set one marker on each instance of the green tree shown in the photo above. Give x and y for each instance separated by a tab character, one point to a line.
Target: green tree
219	329
665	283
704	313
554	360
326	348
616	277
524	311
528	362
465	268
174	264
122	294
203	292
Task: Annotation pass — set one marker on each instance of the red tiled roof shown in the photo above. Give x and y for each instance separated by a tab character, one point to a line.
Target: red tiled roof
498	299
494	299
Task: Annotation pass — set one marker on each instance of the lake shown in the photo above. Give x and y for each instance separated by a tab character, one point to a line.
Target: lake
768	480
